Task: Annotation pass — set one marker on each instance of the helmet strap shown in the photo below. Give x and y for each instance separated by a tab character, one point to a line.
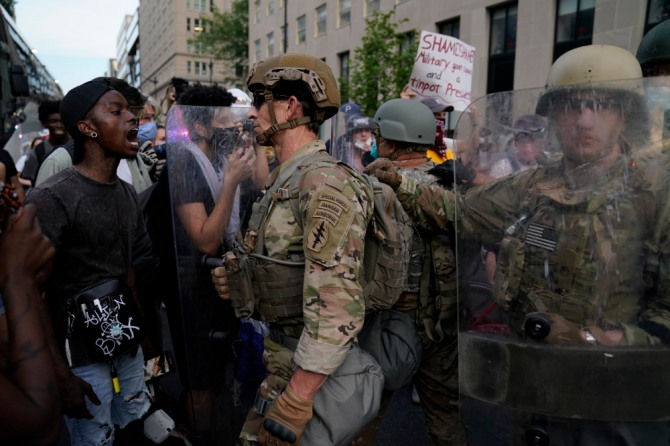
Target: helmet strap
265	137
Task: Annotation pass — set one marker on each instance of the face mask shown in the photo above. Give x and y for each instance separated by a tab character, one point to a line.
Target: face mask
364	144
225	140
147	132
373	150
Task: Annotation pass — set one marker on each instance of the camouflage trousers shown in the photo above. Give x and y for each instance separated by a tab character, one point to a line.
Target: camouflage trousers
436	382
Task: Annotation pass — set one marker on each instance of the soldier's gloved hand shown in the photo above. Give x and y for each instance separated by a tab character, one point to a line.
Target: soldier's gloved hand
220	281
286	420
558	331
453	169
385	171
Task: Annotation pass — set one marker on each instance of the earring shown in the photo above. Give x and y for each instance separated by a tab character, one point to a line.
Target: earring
94	135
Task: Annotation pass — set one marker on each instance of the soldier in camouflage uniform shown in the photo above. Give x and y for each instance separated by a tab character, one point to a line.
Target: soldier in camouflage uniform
317	309
583	262
404	134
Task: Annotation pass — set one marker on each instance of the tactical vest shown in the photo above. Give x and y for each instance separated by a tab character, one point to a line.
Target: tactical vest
275	287
583	257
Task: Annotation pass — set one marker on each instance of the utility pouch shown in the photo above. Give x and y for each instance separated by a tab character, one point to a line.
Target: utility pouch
508	271
278	286
238	273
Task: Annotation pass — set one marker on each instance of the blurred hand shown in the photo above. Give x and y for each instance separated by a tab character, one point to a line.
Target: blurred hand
241	164
451	170
24	250
220	281
74	390
385	172
407	93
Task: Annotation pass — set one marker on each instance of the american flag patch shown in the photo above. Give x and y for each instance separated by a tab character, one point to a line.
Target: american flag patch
542	237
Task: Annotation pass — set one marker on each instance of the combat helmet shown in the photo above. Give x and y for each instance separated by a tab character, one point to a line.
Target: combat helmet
280	74
408	121
655	46
359	122
603	68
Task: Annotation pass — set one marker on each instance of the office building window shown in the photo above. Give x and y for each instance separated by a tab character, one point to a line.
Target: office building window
344	15
284	36
301	29
257	11
257	49
188	23
502	48
657	11
271	7
408	42
450	28
371	6
321	16
271	44
345	60
197	25
574	25
204	68
188	66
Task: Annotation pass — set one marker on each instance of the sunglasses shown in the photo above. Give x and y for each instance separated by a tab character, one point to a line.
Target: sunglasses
259	98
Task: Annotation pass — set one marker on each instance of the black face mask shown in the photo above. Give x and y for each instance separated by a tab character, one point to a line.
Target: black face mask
225	140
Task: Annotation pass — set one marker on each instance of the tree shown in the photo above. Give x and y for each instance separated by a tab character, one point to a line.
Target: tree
382	65
9	6
225	37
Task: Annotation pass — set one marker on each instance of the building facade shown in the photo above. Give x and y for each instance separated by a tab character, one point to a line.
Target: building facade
127	63
165	27
515	42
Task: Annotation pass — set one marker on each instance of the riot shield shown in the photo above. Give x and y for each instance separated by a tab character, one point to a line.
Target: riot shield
352	140
206	148
563	269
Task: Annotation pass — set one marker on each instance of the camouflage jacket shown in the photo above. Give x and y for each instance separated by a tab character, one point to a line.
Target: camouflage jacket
336	209
596	254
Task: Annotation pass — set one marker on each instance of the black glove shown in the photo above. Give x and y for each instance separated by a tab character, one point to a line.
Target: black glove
453	168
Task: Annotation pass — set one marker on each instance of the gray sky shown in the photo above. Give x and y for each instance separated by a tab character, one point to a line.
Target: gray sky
74	39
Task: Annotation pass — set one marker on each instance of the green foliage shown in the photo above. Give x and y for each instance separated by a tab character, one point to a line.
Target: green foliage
382	65
226	38
9	6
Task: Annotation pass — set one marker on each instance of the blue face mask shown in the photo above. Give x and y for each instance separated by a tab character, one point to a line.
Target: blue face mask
147	132
373	150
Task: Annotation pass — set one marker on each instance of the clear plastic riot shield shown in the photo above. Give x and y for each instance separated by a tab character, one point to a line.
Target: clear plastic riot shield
352	140
213	166
563	293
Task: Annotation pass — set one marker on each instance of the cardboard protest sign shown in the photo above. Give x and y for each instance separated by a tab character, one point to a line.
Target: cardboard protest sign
443	69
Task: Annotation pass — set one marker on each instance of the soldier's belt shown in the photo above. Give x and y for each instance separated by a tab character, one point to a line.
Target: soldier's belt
593	383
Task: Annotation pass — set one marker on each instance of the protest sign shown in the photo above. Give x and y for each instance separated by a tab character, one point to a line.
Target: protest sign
443	69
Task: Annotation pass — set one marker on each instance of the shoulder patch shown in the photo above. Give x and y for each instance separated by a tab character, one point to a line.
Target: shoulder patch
317	237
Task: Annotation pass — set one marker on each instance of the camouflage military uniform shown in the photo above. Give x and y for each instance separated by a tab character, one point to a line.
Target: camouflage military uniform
589	276
335	209
600	258
437	377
